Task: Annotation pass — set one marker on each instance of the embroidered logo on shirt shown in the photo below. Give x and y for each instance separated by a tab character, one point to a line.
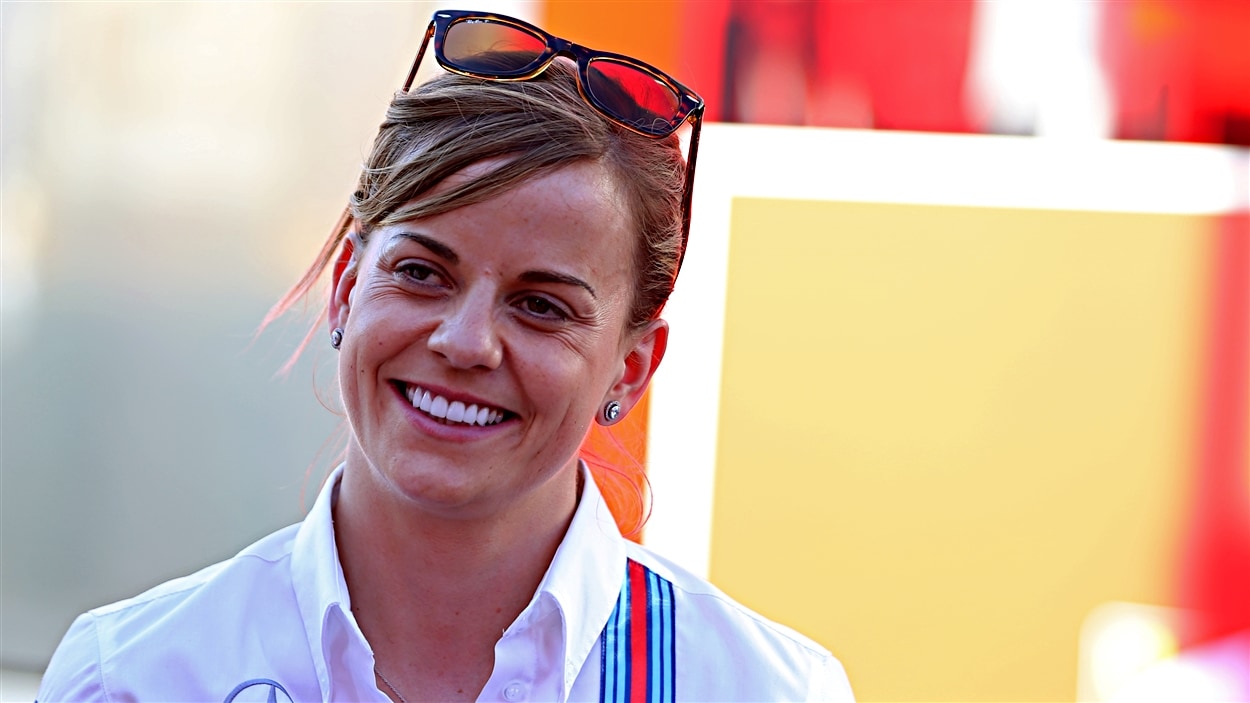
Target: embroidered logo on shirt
257	690
638	647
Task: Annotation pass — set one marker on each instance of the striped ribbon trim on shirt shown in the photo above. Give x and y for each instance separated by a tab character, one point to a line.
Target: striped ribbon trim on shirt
638	646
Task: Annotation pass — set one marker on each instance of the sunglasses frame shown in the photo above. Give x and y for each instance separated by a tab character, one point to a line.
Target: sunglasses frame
689	109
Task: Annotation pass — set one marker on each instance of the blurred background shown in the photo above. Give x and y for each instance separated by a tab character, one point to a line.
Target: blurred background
1014	463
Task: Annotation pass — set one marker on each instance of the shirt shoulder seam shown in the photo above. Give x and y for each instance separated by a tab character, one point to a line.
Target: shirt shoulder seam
710	591
802	641
144	599
99	653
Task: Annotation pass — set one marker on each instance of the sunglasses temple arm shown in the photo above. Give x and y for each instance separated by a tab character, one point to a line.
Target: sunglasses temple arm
412	74
688	194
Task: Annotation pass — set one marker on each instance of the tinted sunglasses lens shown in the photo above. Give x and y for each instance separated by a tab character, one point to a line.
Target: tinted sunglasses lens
491	48
633	96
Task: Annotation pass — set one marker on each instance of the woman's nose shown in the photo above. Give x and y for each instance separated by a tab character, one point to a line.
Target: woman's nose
466	336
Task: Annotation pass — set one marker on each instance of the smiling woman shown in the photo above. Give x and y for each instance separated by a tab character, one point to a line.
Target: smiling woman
529	328
496	288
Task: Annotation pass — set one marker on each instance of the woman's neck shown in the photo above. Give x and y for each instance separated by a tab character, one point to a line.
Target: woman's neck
433	593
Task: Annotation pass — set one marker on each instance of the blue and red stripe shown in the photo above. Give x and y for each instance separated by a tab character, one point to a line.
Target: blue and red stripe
638	646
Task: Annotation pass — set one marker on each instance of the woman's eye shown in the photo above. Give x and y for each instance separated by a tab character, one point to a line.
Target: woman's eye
418	272
541	307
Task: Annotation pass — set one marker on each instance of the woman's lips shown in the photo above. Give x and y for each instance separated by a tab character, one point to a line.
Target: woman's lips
462	412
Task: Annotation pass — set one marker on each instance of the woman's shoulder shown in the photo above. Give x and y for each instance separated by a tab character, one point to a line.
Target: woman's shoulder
245	571
728	644
181	615
720	610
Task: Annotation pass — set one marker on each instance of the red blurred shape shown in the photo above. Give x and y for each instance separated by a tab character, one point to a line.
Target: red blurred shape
1180	69
889	65
1215	563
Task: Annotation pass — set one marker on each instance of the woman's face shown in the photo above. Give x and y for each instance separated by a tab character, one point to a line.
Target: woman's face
480	344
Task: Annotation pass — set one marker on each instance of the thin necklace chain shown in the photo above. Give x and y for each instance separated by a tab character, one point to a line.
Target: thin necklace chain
390	685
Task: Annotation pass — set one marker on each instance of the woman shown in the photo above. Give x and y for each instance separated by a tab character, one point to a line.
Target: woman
496	286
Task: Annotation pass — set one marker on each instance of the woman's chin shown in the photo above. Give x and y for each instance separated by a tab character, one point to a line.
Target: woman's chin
446	490
438	489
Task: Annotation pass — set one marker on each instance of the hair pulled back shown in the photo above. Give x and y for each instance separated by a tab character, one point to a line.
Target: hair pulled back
535	126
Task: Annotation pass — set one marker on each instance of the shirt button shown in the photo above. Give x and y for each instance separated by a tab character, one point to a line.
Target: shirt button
513	692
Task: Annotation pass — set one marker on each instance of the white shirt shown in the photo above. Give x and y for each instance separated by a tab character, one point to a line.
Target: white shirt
275	623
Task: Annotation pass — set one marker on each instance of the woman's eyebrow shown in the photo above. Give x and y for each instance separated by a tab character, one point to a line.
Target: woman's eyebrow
553	277
430	243
450	256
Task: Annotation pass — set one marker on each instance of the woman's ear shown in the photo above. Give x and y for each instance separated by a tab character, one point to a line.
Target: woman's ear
343	281
642	358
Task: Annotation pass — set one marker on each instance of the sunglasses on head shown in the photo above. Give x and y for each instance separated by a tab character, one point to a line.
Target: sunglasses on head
635	95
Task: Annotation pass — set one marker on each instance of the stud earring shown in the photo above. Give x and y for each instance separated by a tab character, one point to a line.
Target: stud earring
611	411
336	337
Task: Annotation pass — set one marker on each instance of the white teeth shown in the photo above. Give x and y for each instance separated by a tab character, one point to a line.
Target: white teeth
452	411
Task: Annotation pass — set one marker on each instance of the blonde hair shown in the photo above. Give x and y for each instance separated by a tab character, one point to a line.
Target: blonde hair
535	126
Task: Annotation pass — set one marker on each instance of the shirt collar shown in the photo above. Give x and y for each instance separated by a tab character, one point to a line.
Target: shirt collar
585	576
582	582
321	591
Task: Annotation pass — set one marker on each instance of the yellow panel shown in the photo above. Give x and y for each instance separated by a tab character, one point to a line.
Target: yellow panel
948	433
